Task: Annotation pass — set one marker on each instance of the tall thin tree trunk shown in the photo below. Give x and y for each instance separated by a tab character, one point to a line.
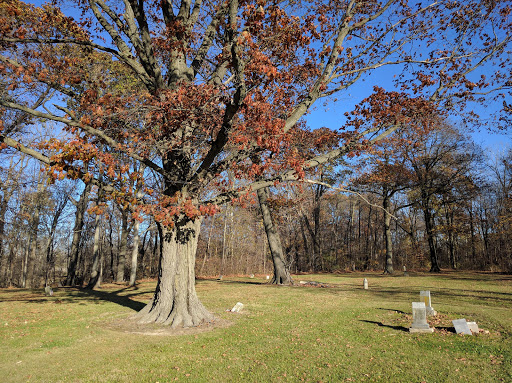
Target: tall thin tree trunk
434	264
81	207
281	272
30	254
94	281
207	253
388	268
135	253
123	246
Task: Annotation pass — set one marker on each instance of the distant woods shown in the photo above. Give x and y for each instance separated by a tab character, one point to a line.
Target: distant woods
447	204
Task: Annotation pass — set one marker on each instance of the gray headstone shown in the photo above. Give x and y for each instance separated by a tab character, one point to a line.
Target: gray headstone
365	284
48	291
473	327
425	297
419	318
461	327
237	308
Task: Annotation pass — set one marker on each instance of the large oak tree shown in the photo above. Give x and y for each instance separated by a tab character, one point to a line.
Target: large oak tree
190	89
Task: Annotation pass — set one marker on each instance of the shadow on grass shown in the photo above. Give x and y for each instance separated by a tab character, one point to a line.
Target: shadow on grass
380	324
114	297
75	295
397	311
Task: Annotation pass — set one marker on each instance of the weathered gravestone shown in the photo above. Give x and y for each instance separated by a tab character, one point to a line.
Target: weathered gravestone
251	276
425	297
48	291
461	327
419	318
237	308
473	327
365	284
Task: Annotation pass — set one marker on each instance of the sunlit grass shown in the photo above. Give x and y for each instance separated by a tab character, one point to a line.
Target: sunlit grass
334	334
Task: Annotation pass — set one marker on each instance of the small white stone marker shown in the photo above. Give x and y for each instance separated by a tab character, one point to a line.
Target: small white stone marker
461	327
473	327
251	276
365	284
268	276
419	318
237	308
425	297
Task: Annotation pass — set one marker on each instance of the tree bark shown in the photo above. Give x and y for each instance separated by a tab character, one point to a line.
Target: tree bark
434	264
31	252
81	206
95	280
281	272
4	202
135	253
175	301
123	245
388	268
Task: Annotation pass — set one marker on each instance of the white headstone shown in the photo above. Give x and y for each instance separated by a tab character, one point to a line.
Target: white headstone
251	276
419	318
268	276
425	297
461	327
365	284
48	291
473	327
237	308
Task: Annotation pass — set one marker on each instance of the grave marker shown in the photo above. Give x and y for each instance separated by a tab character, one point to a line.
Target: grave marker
461	327
425	297
237	308
419	318
365	284
473	327
48	291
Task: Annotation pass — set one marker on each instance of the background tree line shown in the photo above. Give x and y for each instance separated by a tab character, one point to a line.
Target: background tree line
426	200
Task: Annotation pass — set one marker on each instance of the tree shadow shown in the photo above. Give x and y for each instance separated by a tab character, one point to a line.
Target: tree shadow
114	297
395	310
380	324
446	329
74	295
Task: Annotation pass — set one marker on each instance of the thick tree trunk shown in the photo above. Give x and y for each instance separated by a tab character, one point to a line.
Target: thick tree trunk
281	272
81	206
388	268
175	301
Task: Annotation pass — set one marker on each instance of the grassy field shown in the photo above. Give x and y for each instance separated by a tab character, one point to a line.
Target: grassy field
341	333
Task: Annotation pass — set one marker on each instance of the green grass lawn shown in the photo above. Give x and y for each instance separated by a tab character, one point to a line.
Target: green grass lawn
284	334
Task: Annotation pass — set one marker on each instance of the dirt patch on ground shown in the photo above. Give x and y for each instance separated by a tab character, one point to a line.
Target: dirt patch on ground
129	325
